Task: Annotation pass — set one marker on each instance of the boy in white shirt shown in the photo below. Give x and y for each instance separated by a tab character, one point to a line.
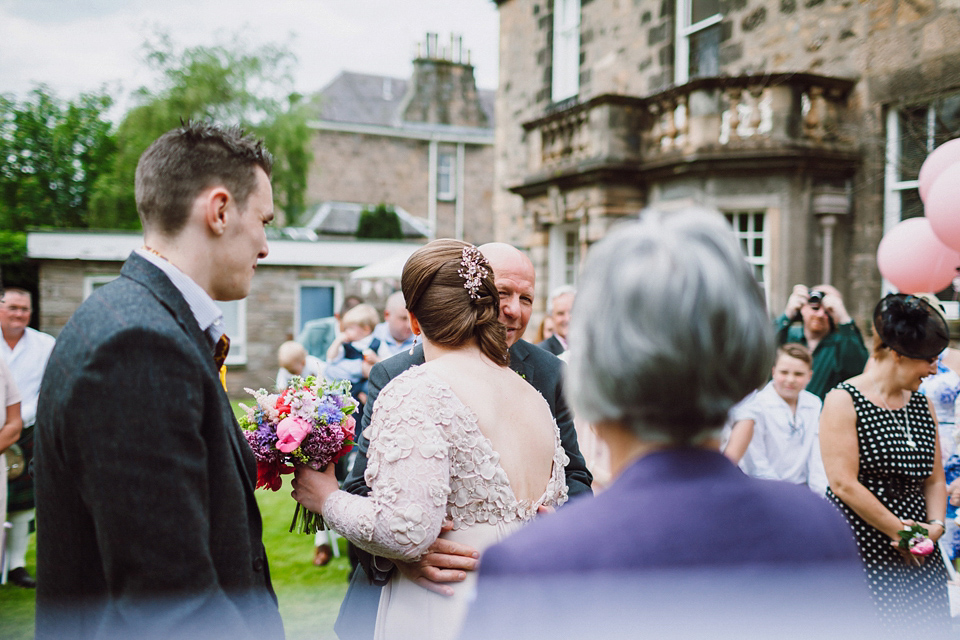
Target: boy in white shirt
294	361
777	435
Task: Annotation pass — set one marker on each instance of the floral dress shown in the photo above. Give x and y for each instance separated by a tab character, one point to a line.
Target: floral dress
428	461
894	471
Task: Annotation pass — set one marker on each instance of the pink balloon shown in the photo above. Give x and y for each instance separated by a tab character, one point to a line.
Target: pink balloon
942	207
912	258
942	157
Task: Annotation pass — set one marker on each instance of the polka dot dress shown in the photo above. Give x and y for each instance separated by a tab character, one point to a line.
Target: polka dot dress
894	472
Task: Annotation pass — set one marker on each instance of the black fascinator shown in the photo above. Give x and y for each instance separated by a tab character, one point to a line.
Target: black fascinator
910	326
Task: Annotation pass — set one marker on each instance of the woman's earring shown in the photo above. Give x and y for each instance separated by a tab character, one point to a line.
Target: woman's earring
413	346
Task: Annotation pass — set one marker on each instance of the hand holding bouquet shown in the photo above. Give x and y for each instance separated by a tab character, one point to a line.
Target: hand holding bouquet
914	544
309	423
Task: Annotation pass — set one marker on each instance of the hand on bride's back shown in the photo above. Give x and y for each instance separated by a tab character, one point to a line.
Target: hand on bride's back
445	561
312	488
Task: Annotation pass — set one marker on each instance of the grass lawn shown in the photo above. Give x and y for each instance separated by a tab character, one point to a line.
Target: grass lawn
309	596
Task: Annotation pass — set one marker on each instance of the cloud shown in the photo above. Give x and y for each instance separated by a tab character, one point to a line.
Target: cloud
77	46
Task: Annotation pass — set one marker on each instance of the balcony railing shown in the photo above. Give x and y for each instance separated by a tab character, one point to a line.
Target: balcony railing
734	120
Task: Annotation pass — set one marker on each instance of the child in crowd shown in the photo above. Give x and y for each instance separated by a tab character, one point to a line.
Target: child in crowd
353	346
776	435
294	361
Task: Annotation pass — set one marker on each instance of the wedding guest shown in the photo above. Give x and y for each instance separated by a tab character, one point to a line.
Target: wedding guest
777	435
394	332
544	330
880	449
943	389
149	528
457	438
558	308
670	330
295	361
9	432
317	335
354	346
25	351
828	331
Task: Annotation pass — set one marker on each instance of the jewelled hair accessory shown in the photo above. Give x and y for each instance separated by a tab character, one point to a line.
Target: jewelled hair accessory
473	269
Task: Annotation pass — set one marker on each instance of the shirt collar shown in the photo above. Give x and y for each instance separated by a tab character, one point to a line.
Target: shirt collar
208	315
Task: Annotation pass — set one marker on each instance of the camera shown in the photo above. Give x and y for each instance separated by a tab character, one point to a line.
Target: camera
815	297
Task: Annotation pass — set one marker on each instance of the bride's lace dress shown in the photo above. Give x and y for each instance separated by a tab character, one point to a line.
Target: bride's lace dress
427	461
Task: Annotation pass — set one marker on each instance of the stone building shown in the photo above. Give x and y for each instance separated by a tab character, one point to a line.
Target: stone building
803	121
297	281
424	144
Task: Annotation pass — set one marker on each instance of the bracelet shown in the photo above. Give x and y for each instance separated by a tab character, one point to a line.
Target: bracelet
939	522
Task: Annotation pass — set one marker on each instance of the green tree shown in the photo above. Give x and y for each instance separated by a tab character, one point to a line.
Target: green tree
51	154
381	223
225	83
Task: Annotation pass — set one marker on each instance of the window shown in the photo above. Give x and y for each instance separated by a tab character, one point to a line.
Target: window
566	50
912	133
317	299
235	326
698	39
92	283
751	231
446	175
564	255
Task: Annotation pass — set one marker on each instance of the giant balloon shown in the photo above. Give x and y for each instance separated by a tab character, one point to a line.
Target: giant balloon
942	207
942	157
914	260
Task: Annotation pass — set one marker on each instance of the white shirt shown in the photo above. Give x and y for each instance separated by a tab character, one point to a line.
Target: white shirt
209	316
785	446
27	361
313	367
388	344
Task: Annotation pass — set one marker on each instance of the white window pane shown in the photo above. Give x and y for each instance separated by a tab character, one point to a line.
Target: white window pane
566	49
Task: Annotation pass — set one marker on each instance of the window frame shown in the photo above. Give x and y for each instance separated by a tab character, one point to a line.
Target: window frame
762	261
448	170
684	31
565	58
298	306
564	259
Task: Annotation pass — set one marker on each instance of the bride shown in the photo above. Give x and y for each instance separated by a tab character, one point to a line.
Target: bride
459	438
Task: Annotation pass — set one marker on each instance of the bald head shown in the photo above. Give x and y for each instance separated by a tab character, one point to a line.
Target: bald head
514	276
396	316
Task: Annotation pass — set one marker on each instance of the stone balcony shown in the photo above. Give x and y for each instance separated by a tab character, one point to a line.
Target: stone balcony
725	124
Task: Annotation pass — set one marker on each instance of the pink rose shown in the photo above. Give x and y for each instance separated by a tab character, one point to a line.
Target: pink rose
290	433
348	427
922	548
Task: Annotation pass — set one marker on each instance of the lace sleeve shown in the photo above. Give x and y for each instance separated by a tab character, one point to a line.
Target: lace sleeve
408	472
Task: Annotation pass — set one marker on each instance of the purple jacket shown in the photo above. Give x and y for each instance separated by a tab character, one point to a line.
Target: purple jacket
681	542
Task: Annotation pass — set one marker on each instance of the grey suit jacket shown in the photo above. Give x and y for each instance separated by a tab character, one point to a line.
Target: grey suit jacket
148	522
552	344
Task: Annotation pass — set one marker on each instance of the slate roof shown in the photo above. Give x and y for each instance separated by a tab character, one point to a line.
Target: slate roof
342	218
361	98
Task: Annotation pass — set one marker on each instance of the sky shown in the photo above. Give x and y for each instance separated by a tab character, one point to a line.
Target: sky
81	45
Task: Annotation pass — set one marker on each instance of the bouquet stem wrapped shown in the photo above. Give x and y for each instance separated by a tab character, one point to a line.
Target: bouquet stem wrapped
308	423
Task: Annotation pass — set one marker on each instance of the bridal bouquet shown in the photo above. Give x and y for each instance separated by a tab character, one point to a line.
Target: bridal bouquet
914	539
308	423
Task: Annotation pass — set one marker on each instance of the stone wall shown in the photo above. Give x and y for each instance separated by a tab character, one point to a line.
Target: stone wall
896	51
270	309
354	167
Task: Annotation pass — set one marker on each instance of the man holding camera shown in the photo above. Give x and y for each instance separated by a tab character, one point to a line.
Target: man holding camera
828	331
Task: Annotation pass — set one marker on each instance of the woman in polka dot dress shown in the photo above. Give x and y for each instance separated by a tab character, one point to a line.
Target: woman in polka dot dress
882	457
